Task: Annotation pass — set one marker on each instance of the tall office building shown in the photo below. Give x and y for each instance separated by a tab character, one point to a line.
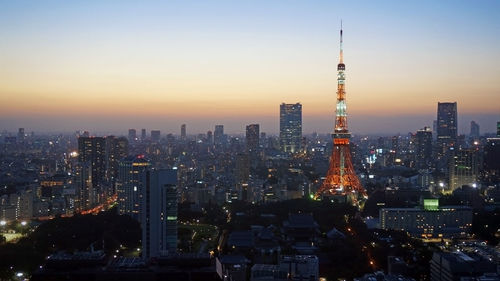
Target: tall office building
130	182
183	132
252	138
474	130
159	213
219	135
446	126
132	135
290	127
143	134
116	149
464	167
155	135
498	129
423	148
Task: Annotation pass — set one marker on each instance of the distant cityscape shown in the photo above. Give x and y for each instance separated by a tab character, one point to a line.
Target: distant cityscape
153	204
430	184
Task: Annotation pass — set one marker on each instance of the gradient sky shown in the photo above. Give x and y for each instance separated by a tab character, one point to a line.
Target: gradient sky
106	66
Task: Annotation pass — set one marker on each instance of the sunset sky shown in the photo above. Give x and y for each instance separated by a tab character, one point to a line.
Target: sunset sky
106	66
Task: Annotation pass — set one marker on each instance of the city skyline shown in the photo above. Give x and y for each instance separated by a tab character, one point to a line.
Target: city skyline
105	67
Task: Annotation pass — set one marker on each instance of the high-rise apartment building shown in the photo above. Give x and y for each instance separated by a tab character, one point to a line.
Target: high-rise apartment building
92	162
290	127
132	135
116	150
132	171
252	138
464	167
423	148
446	126
159	213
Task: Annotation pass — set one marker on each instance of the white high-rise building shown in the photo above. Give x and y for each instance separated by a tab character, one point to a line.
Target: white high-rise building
159	213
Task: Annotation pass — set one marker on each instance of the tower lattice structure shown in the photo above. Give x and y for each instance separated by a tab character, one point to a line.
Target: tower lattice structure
341	179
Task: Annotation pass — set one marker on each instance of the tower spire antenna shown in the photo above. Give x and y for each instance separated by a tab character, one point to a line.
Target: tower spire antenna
341	48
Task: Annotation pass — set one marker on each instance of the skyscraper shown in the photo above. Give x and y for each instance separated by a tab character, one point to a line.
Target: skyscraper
92	161
290	127
116	150
446	126
143	134
423	148
474	130
159	213
498	129
132	135
219	135
130	183
252	138
183	132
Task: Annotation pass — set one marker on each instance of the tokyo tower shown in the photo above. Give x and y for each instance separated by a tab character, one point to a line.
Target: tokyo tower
341	178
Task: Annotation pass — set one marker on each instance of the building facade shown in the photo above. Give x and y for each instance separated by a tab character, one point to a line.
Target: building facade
431	221
159	213
252	137
446	126
464	167
290	127
130	184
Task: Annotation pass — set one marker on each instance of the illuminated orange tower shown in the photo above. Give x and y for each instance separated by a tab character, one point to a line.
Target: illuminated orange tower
341	178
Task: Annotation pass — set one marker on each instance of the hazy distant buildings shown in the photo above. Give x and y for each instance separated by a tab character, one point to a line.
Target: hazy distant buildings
210	137
183	132
498	129
132	135
219	135
290	127
159	213
423	148
474	130
143	134
252	138
155	135
446	126
130	185
464	167
20	135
